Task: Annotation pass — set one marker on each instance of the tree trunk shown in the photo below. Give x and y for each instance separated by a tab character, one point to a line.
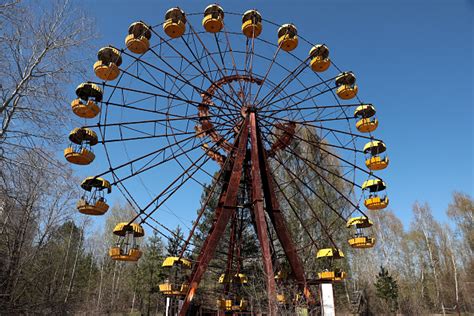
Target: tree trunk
73	273
435	273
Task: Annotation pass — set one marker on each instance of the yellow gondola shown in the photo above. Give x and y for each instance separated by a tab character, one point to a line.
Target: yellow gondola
233	301
373	199
280	278
252	23
127	248
360	239
367	123
213	20
138	38
236	305
331	272
79	152
93	201
282	298
346	86
176	283
288	37
107	66
319	58
175	22
373	151
238	278
88	94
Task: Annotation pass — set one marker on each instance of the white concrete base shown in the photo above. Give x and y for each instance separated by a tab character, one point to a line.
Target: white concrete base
327	300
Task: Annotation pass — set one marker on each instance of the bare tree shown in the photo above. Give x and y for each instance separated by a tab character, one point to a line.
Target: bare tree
34	202
41	47
461	211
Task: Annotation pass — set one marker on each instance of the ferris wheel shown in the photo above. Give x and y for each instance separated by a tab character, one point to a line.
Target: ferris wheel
252	112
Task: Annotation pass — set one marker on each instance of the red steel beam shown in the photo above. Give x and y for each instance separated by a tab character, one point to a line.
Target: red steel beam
279	223
259	213
224	212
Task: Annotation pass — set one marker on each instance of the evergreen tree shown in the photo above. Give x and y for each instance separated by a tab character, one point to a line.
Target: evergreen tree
149	275
386	288
175	243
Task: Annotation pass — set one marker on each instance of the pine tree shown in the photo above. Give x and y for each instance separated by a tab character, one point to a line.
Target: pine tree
149	275
175	243
387	289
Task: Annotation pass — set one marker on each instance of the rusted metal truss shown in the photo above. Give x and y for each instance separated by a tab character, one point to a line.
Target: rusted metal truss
263	201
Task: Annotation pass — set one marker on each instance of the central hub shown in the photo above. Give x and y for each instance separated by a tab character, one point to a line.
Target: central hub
215	110
219	117
246	109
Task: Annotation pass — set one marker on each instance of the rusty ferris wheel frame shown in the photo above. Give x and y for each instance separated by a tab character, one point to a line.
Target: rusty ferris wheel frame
250	119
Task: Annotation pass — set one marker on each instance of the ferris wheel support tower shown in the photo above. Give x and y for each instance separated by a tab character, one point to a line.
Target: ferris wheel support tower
261	190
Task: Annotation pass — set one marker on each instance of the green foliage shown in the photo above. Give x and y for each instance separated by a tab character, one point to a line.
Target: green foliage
175	243
387	288
149	274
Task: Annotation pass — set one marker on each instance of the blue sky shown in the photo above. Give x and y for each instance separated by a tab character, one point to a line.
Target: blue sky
413	60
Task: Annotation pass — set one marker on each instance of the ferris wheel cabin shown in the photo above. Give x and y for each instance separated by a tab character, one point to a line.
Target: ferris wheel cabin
360	238
252	23
213	20
331	270
373	158
320	60
367	122
346	86
281	280
88	95
93	201
234	300
175	23
288	37
375	197
138	38
80	152
107	65
126	247
177	272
